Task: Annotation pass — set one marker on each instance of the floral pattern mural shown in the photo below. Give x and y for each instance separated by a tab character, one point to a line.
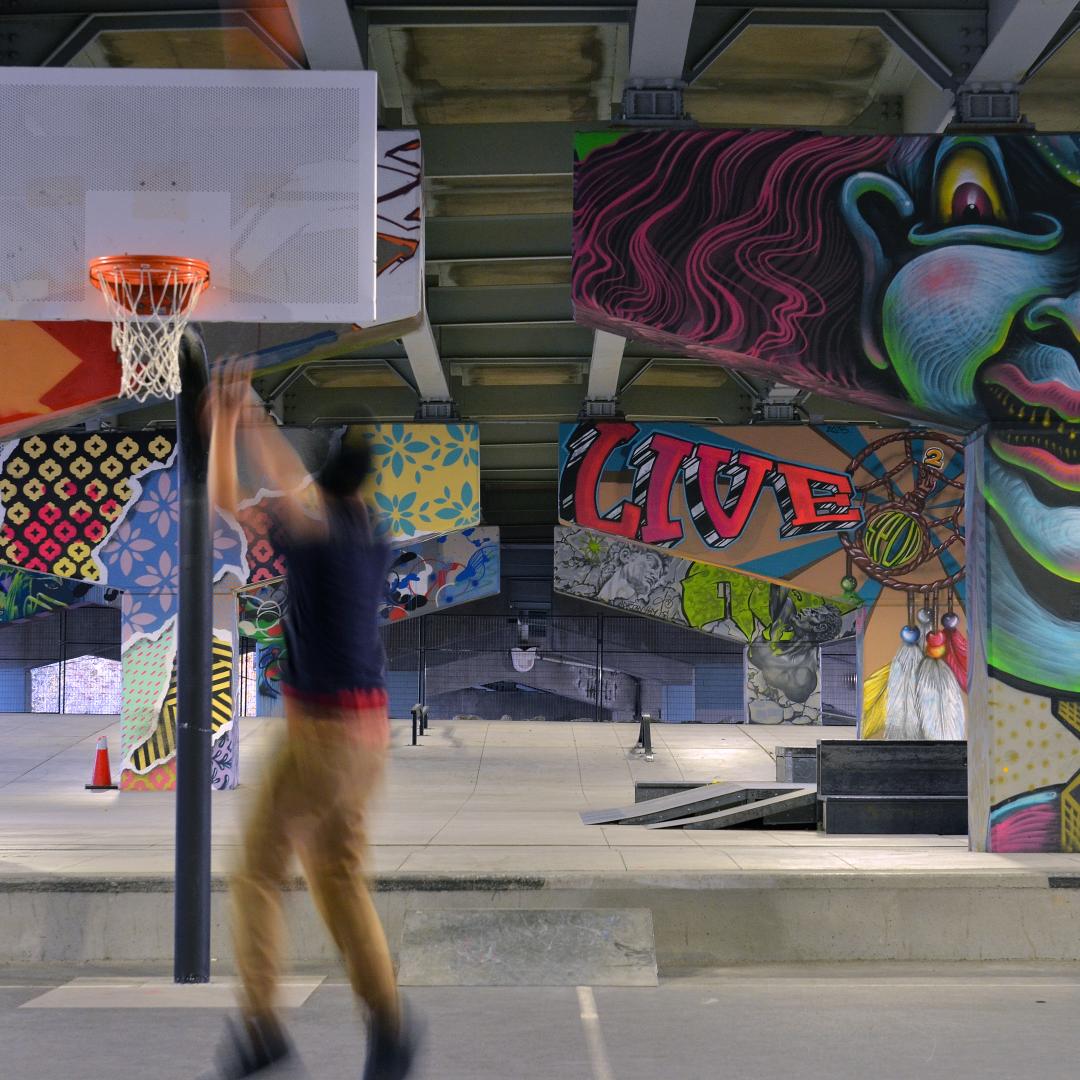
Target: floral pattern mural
63	494
427	477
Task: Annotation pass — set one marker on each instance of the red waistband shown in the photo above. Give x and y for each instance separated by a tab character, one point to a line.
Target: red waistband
371	698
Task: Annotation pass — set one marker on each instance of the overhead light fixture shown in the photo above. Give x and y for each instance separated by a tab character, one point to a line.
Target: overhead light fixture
519	373
339	375
692	376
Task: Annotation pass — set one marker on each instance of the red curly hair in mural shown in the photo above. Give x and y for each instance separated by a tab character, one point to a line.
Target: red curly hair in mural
775	277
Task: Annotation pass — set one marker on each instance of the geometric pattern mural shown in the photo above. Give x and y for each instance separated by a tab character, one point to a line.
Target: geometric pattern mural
61	496
148	666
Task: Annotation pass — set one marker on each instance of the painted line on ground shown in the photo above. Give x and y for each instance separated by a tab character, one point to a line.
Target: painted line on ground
594	1037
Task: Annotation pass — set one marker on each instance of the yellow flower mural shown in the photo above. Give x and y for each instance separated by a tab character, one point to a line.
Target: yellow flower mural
426	477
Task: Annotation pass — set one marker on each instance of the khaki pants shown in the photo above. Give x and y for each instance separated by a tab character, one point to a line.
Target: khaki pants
313	802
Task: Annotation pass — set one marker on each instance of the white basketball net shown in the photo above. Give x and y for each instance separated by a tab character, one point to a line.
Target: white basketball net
149	344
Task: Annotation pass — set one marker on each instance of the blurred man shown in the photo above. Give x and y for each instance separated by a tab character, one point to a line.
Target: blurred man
313	799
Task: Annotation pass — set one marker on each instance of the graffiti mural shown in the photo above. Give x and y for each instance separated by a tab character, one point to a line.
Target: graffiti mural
442	572
809	499
432	575
24	594
782	627
901	489
925	276
400	237
56	369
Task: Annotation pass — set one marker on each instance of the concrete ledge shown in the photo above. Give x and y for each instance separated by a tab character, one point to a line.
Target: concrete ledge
700	919
528	947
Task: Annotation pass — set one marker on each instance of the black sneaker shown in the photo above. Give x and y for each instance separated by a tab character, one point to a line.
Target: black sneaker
390	1055
252	1048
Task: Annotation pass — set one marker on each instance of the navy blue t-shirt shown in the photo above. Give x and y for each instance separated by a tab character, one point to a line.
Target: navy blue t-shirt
336	584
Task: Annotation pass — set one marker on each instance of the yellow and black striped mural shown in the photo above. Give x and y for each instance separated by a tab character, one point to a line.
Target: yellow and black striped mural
161	744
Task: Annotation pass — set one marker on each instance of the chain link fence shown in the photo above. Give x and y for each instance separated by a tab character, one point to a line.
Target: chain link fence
64	662
544	667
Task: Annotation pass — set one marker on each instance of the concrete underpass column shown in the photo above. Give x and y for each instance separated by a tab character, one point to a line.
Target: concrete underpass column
1024	711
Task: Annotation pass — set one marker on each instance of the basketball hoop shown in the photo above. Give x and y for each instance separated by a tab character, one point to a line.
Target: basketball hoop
523	658
150	299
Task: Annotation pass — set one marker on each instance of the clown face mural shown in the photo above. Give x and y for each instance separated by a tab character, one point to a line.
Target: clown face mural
971	250
930	277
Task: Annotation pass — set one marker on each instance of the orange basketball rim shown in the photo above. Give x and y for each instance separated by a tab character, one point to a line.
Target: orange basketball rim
150	300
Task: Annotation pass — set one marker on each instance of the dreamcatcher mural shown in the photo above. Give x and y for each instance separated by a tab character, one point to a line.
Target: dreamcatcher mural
912	541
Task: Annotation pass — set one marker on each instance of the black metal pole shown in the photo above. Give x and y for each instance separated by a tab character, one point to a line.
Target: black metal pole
599	710
194	631
421	674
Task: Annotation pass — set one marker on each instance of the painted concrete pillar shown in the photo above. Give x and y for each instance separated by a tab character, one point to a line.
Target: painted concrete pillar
268	698
1024	728
148	709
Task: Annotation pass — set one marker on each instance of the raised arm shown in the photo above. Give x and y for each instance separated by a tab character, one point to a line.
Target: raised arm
227	397
236	413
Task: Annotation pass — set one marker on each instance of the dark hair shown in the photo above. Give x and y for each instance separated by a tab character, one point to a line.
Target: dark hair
345	469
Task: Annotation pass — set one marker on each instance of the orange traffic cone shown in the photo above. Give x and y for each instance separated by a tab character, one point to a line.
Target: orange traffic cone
102	778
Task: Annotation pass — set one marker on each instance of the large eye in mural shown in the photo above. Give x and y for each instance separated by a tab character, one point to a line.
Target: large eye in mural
968	192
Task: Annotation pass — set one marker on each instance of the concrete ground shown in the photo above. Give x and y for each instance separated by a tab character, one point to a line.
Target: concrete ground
475	797
833	1023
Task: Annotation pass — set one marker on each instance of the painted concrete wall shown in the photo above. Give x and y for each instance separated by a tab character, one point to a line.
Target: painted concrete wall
779	626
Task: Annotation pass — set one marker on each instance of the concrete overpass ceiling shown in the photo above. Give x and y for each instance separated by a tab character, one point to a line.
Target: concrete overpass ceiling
481	196
183	47
1051	97
815	76
461	74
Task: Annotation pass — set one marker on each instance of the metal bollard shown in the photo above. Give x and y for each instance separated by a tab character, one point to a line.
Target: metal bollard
643	748
417	720
425	722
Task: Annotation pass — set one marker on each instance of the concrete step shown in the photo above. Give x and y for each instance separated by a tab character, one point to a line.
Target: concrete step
532	947
700	919
906	815
886	788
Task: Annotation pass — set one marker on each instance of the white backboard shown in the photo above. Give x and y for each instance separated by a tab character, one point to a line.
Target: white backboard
269	176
